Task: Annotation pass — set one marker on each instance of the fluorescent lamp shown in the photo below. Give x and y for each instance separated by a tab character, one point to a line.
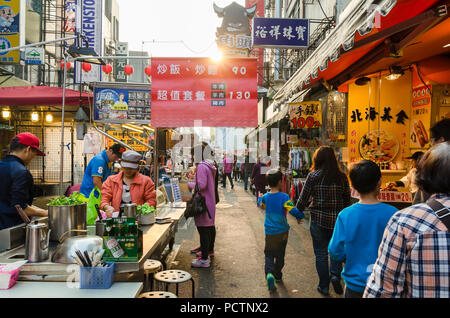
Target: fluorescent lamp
34	116
6	114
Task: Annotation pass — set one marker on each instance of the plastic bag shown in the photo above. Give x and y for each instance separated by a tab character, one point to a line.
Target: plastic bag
95	198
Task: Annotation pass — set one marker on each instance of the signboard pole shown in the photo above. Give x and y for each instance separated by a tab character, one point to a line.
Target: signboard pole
156	159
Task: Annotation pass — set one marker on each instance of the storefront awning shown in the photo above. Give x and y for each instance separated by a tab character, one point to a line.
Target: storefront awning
41	96
351	40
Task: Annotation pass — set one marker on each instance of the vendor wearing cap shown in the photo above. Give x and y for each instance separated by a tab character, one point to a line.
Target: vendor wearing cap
100	168
409	181
16	186
129	186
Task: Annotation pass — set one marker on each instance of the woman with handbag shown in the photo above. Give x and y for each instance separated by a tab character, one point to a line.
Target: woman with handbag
205	185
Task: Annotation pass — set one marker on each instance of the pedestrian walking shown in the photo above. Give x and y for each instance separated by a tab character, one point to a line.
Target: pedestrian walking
258	177
414	259
328	187
359	228
227	170
205	179
276	205
247	171
440	132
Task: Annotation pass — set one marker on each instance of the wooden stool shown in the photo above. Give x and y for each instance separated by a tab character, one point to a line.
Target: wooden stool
151	267
157	294
175	276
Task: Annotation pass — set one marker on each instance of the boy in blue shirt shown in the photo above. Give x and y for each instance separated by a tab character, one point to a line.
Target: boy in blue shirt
359	228
276	204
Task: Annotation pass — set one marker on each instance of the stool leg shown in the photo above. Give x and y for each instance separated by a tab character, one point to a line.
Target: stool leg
193	288
152	278
146	282
167	287
177	291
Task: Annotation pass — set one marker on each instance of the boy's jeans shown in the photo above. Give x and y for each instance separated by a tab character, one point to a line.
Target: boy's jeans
246	176
274	251
321	238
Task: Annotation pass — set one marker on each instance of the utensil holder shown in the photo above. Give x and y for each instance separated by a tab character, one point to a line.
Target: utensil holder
97	277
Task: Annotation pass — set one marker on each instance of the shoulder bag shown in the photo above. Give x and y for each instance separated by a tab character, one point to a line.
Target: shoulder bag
441	211
197	205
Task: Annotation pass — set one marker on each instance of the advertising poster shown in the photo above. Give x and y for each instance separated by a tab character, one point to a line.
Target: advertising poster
122	105
420	117
9	30
119	134
220	94
89	23
305	115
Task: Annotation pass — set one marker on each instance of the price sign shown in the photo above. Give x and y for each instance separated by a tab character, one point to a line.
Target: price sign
305	115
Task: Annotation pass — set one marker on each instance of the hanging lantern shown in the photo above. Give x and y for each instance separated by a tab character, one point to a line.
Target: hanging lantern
128	69
107	68
86	67
148	71
69	65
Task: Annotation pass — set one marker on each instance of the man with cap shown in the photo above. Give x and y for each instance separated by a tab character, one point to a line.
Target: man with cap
129	186
409	181
16	186
100	168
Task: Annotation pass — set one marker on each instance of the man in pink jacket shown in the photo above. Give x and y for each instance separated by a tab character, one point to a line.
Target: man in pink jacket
129	186
227	170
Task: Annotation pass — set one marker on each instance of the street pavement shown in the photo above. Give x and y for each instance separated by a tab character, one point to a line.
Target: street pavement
237	269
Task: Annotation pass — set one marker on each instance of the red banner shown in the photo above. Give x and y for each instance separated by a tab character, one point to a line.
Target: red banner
220	94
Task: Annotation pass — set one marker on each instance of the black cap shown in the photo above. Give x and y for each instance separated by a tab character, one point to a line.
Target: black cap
117	150
416	156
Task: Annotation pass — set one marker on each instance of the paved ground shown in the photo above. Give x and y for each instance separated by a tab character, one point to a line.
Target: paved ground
238	267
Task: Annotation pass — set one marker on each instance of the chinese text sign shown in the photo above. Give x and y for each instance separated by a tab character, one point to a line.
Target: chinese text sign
272	32
220	94
305	115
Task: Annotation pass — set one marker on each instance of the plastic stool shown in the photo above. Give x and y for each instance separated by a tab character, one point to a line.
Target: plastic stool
151	267
175	276
157	294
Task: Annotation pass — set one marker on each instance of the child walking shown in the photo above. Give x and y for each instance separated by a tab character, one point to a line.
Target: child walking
276	205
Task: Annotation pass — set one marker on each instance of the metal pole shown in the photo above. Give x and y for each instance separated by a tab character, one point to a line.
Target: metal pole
61	171
156	159
38	44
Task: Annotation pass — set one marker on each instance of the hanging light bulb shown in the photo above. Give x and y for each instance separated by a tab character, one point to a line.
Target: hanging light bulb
49	118
34	116
6	114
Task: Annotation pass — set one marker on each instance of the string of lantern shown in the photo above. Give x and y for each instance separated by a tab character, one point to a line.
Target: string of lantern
107	69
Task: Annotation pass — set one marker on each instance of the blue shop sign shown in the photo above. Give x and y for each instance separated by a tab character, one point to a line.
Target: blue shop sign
275	32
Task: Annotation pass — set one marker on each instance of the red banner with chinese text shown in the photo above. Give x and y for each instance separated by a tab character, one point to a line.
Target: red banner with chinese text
220	94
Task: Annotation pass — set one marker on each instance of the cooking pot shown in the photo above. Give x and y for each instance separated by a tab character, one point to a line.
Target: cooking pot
65	250
67	219
130	210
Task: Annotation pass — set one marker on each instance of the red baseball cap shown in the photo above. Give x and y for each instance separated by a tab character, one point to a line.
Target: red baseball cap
28	139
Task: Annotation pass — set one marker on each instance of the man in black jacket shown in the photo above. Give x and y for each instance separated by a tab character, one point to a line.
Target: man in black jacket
16	186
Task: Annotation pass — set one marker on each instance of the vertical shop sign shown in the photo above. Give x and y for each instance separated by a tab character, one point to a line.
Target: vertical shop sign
89	23
9	30
420	117
121	50
220	94
305	115
71	9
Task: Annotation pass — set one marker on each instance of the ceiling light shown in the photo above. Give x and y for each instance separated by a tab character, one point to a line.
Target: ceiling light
396	72
49	118
34	116
6	114
447	45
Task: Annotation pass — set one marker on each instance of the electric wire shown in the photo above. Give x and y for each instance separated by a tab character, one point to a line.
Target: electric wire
323	11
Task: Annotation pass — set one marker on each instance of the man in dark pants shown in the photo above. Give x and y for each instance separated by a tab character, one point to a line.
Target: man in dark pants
247	171
227	170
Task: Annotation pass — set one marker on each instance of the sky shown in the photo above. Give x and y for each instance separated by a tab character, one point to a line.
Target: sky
192	21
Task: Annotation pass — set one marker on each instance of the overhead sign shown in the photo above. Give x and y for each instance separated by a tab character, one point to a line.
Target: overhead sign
119	134
305	115
89	23
275	32
220	94
9	30
234	35
121	50
34	55
122	103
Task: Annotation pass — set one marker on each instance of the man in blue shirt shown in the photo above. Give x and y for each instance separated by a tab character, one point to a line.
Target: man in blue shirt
276	227
16	187
359	228
100	168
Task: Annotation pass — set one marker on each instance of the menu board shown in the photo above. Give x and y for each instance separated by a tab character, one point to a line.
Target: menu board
122	105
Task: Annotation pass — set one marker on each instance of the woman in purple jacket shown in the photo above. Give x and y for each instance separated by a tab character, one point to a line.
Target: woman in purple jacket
205	178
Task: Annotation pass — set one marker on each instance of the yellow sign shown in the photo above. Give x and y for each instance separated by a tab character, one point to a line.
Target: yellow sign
126	139
420	117
305	115
9	30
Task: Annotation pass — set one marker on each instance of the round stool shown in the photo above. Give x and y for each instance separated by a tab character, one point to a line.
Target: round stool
157	294
175	276
151	267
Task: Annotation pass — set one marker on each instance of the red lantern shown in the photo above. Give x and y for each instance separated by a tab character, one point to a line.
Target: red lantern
69	65
107	68
86	67
128	69
148	71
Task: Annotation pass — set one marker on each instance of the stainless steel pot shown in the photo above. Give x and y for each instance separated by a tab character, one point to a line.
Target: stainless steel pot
36	242
64	251
65	218
130	210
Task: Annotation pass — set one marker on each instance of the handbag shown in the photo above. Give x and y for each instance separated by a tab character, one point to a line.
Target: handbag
196	206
